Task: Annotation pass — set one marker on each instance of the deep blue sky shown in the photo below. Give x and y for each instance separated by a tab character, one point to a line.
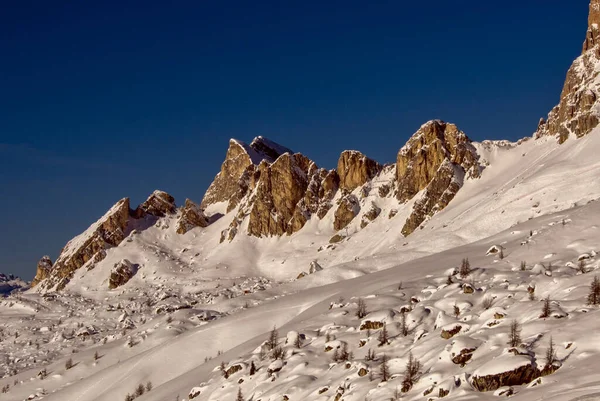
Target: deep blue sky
102	100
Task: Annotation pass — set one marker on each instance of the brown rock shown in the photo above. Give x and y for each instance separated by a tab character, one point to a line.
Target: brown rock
44	269
575	114
522	375
436	159
347	210
447	334
355	169
121	273
191	216
238	171
280	187
158	204
107	232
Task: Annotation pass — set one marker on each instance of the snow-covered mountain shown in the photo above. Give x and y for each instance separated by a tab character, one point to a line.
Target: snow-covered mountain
185	298
10	283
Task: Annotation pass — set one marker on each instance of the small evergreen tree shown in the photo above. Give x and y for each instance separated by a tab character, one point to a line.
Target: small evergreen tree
523	265
456	311
550	354
68	364
273	339
361	309
594	295
149	386
449	280
403	325
278	353
413	368
298	341
501	253
252	368
240	396
370	355
514	337
140	390
384	369
383	337
546	309
129	397
223	369
96	356
465	268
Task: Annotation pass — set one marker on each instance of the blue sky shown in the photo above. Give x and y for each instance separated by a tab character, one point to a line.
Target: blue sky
102	100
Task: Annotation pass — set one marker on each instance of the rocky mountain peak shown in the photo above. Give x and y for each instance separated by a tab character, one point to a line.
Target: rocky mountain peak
241	162
578	111
158	204
355	169
107	232
44	268
435	160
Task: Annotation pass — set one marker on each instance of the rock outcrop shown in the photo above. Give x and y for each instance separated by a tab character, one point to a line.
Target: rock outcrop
436	159
107	232
348	208
279	189
578	111
237	171
44	269
191	216
158	204
356	169
121	273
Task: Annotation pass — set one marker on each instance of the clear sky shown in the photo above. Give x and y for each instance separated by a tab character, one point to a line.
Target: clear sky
103	100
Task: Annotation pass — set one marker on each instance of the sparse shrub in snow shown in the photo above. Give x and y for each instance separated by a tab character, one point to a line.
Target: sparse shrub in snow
278	353
411	373
69	364
456	311
487	302
361	309
523	266
252	368
370	355
449	280
403	326
129	397
273	339
96	356
594	295
581	266
465	268
550	354
140	390
514	337
383	337
384	369
546	308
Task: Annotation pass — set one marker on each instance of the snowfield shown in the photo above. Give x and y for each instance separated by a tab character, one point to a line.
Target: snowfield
195	318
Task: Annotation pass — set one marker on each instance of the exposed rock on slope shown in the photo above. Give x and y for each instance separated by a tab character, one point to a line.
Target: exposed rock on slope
121	273
10	283
107	232
578	111
191	216
158	204
232	182
44	268
355	169
347	209
281	186
435	159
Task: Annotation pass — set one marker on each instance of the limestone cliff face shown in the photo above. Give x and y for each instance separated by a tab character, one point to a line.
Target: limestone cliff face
355	169
191	216
44	268
107	232
347	210
578	110
237	171
435	159
158	204
280	188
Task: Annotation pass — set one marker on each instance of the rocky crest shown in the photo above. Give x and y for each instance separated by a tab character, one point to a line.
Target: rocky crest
355	169
121	273
236	176
578	110
191	216
107	232
44	268
158	204
435	159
